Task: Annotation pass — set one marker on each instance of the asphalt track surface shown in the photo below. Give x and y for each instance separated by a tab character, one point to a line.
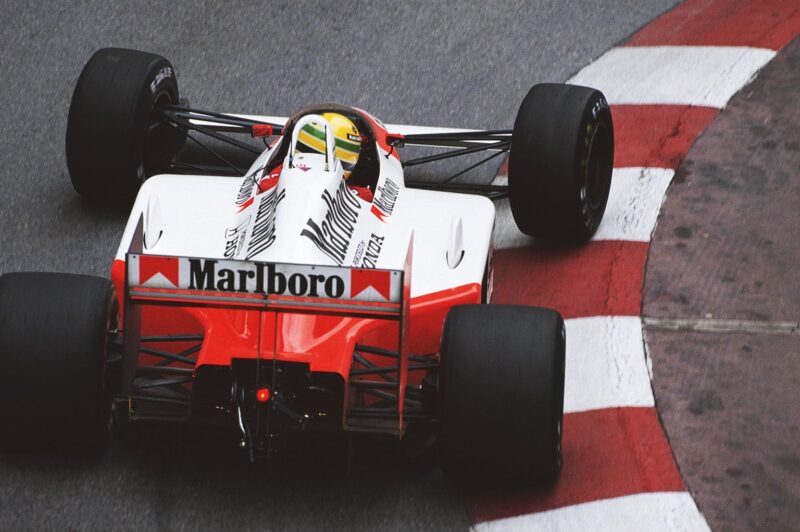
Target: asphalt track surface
465	64
725	254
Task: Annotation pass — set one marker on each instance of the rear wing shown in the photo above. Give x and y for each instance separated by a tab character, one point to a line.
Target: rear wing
194	281
265	287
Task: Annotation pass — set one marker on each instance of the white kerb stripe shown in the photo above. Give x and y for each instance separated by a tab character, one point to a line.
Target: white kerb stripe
688	75
633	205
654	512
506	234
606	366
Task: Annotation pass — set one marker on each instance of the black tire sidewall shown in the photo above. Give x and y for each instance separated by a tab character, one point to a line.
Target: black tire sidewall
548	161
108	150
501	390
53	349
596	121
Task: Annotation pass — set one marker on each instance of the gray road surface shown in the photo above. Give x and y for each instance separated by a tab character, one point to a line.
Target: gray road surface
727	248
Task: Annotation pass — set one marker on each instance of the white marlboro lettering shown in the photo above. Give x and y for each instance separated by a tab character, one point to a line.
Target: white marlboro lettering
243	277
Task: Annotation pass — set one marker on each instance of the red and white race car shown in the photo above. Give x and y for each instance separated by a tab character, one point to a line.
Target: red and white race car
316	291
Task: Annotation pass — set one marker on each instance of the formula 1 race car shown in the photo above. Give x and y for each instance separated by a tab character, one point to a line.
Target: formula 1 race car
317	291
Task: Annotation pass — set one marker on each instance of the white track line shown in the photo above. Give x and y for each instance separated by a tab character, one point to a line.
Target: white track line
506	234
653	512
633	205
689	75
606	365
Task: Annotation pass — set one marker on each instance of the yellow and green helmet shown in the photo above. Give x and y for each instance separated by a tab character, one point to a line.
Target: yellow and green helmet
348	140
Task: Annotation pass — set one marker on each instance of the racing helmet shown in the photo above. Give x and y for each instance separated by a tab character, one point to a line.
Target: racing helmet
347	138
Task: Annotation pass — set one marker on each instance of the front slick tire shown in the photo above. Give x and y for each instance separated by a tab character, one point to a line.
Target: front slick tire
53	345
115	136
501	394
562	154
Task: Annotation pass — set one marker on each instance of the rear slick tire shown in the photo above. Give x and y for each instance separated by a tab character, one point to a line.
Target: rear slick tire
54	391
501	394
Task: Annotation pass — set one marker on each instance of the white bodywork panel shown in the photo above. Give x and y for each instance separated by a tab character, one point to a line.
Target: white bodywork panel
309	216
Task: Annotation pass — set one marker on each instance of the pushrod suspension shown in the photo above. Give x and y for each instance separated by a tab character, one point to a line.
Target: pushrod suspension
501	145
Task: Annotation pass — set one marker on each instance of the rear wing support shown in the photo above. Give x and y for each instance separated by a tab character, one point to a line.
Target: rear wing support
389	419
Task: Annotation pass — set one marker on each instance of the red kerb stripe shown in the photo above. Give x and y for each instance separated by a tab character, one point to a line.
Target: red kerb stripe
607	453
759	23
595	279
656	135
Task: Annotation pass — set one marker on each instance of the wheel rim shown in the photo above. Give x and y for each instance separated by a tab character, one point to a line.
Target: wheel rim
156	122
598	169
156	133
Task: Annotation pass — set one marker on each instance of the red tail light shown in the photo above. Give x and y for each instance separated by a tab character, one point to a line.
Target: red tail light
262	395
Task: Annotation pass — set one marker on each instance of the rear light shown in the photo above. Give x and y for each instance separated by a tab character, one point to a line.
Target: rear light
262	395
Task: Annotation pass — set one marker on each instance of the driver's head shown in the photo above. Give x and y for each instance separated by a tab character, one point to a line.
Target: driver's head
348	140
